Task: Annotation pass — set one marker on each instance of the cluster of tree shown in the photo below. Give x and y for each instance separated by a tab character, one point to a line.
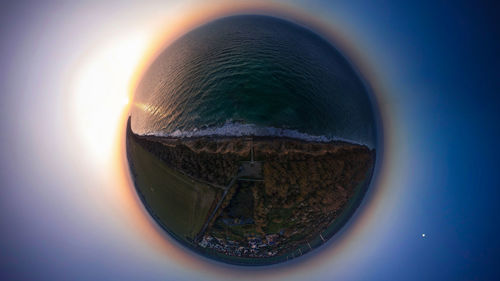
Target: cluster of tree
294	177
313	187
216	168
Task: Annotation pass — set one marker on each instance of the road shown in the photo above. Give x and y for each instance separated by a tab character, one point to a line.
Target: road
216	208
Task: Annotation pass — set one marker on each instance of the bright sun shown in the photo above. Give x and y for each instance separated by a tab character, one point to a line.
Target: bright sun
101	92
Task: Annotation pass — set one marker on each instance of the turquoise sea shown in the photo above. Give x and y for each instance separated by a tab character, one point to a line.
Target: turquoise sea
254	75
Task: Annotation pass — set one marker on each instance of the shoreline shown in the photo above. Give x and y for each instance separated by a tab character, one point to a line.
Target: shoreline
269	147
255	137
280	144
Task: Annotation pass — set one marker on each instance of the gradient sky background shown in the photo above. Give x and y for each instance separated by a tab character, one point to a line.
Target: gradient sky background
68	212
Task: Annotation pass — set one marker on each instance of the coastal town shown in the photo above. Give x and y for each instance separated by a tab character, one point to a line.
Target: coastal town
255	247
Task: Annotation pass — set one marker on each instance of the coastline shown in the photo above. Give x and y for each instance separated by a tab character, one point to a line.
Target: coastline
284	143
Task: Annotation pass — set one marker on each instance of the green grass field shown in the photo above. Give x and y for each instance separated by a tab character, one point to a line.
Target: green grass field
180	203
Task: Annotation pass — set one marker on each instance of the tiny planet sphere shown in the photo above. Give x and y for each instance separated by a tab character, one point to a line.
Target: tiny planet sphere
251	140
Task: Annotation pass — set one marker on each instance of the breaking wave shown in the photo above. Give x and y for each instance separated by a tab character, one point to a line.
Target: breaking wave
234	129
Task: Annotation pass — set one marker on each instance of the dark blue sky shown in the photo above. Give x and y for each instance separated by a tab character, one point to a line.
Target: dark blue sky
443	57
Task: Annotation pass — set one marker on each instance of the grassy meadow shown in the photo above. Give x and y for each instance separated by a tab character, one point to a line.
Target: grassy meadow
180	203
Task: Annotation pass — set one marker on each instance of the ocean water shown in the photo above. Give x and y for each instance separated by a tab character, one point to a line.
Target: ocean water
253	75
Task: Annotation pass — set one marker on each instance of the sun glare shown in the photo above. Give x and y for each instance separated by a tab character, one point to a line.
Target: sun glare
102	91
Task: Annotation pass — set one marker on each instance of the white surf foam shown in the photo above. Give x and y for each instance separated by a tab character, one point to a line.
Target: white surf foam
233	129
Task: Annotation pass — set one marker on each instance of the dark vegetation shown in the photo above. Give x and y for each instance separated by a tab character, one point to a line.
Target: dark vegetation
304	187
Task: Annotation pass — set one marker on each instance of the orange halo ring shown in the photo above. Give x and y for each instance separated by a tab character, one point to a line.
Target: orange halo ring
365	213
